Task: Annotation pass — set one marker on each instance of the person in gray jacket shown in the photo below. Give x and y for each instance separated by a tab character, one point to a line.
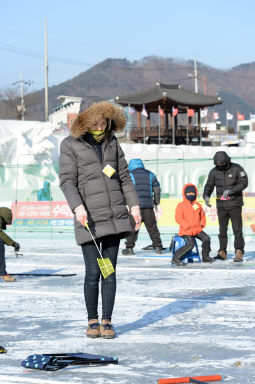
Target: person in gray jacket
95	180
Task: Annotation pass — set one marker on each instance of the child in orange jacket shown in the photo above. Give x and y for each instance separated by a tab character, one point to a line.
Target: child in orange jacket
191	217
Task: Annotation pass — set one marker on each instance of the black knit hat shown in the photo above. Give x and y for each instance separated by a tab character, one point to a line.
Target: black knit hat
87	101
190	188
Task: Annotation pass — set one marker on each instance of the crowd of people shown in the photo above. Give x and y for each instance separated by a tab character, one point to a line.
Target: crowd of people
111	198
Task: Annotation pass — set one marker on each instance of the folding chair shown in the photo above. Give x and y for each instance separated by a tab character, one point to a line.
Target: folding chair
192	256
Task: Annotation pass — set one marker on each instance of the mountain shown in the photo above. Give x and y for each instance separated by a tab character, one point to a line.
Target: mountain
115	77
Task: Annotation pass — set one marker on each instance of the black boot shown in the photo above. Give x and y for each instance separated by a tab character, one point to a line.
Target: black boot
127	251
158	250
206	258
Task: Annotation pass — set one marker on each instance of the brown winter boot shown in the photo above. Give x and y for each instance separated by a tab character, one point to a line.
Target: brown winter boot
7	278
106	330
238	255
222	255
93	329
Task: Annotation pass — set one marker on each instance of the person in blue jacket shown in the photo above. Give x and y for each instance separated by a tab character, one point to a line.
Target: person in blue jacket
148	190
44	194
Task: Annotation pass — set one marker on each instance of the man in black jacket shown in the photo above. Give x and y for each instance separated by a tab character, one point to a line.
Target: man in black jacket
230	180
148	191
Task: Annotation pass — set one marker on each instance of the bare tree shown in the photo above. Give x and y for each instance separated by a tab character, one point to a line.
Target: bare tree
10	103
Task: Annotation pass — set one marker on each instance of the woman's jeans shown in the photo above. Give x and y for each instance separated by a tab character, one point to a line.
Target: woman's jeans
109	246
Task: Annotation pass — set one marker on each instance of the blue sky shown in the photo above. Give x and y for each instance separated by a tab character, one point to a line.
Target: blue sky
83	33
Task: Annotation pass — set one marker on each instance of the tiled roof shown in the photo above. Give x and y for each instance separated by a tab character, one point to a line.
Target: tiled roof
167	96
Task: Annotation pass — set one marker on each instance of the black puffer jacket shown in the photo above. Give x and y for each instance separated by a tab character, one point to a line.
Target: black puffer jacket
232	177
146	184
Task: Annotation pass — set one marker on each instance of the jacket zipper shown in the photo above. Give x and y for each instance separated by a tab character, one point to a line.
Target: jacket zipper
108	193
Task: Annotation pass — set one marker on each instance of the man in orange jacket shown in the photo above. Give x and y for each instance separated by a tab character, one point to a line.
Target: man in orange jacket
191	217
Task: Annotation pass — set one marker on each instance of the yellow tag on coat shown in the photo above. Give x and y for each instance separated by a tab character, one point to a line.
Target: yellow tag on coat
108	170
195	206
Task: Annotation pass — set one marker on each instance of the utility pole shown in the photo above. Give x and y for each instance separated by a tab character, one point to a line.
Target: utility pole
196	86
237	112
159	125
21	108
205	87
195	75
46	71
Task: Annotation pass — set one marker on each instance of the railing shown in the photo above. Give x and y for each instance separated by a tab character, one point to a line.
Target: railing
154	132
170	163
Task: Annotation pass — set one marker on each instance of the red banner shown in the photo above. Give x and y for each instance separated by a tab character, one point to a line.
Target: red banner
41	210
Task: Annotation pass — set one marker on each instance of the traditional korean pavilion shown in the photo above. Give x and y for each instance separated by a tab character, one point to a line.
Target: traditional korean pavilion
169	101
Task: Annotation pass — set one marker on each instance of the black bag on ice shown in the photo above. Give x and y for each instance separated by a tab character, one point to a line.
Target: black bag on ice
53	362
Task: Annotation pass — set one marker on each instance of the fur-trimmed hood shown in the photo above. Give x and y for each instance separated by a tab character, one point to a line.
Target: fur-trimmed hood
96	111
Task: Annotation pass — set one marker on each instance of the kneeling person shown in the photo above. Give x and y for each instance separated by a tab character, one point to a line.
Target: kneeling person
191	217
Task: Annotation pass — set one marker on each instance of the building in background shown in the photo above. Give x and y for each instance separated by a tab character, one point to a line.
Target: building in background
245	126
64	115
216	132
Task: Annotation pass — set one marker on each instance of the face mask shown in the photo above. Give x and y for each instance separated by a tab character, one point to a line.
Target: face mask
221	167
191	197
98	135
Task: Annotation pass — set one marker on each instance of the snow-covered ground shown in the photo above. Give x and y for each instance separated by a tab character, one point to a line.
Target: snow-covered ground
171	322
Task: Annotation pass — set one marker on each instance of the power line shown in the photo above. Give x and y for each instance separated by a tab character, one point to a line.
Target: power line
37	55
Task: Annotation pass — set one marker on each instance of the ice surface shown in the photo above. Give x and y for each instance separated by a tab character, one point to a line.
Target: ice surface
171	322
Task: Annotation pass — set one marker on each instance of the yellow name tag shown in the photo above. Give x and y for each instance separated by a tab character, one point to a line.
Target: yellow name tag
195	206
108	170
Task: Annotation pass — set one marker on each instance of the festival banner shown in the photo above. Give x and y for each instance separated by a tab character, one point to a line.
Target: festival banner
58	213
42	213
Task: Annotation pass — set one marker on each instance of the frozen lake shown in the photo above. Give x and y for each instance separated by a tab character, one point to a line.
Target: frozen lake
170	322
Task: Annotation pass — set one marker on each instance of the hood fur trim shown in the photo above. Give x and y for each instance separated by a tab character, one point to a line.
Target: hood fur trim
96	111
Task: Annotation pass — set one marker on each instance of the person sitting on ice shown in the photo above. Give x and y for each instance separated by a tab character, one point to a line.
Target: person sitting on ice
190	215
5	219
